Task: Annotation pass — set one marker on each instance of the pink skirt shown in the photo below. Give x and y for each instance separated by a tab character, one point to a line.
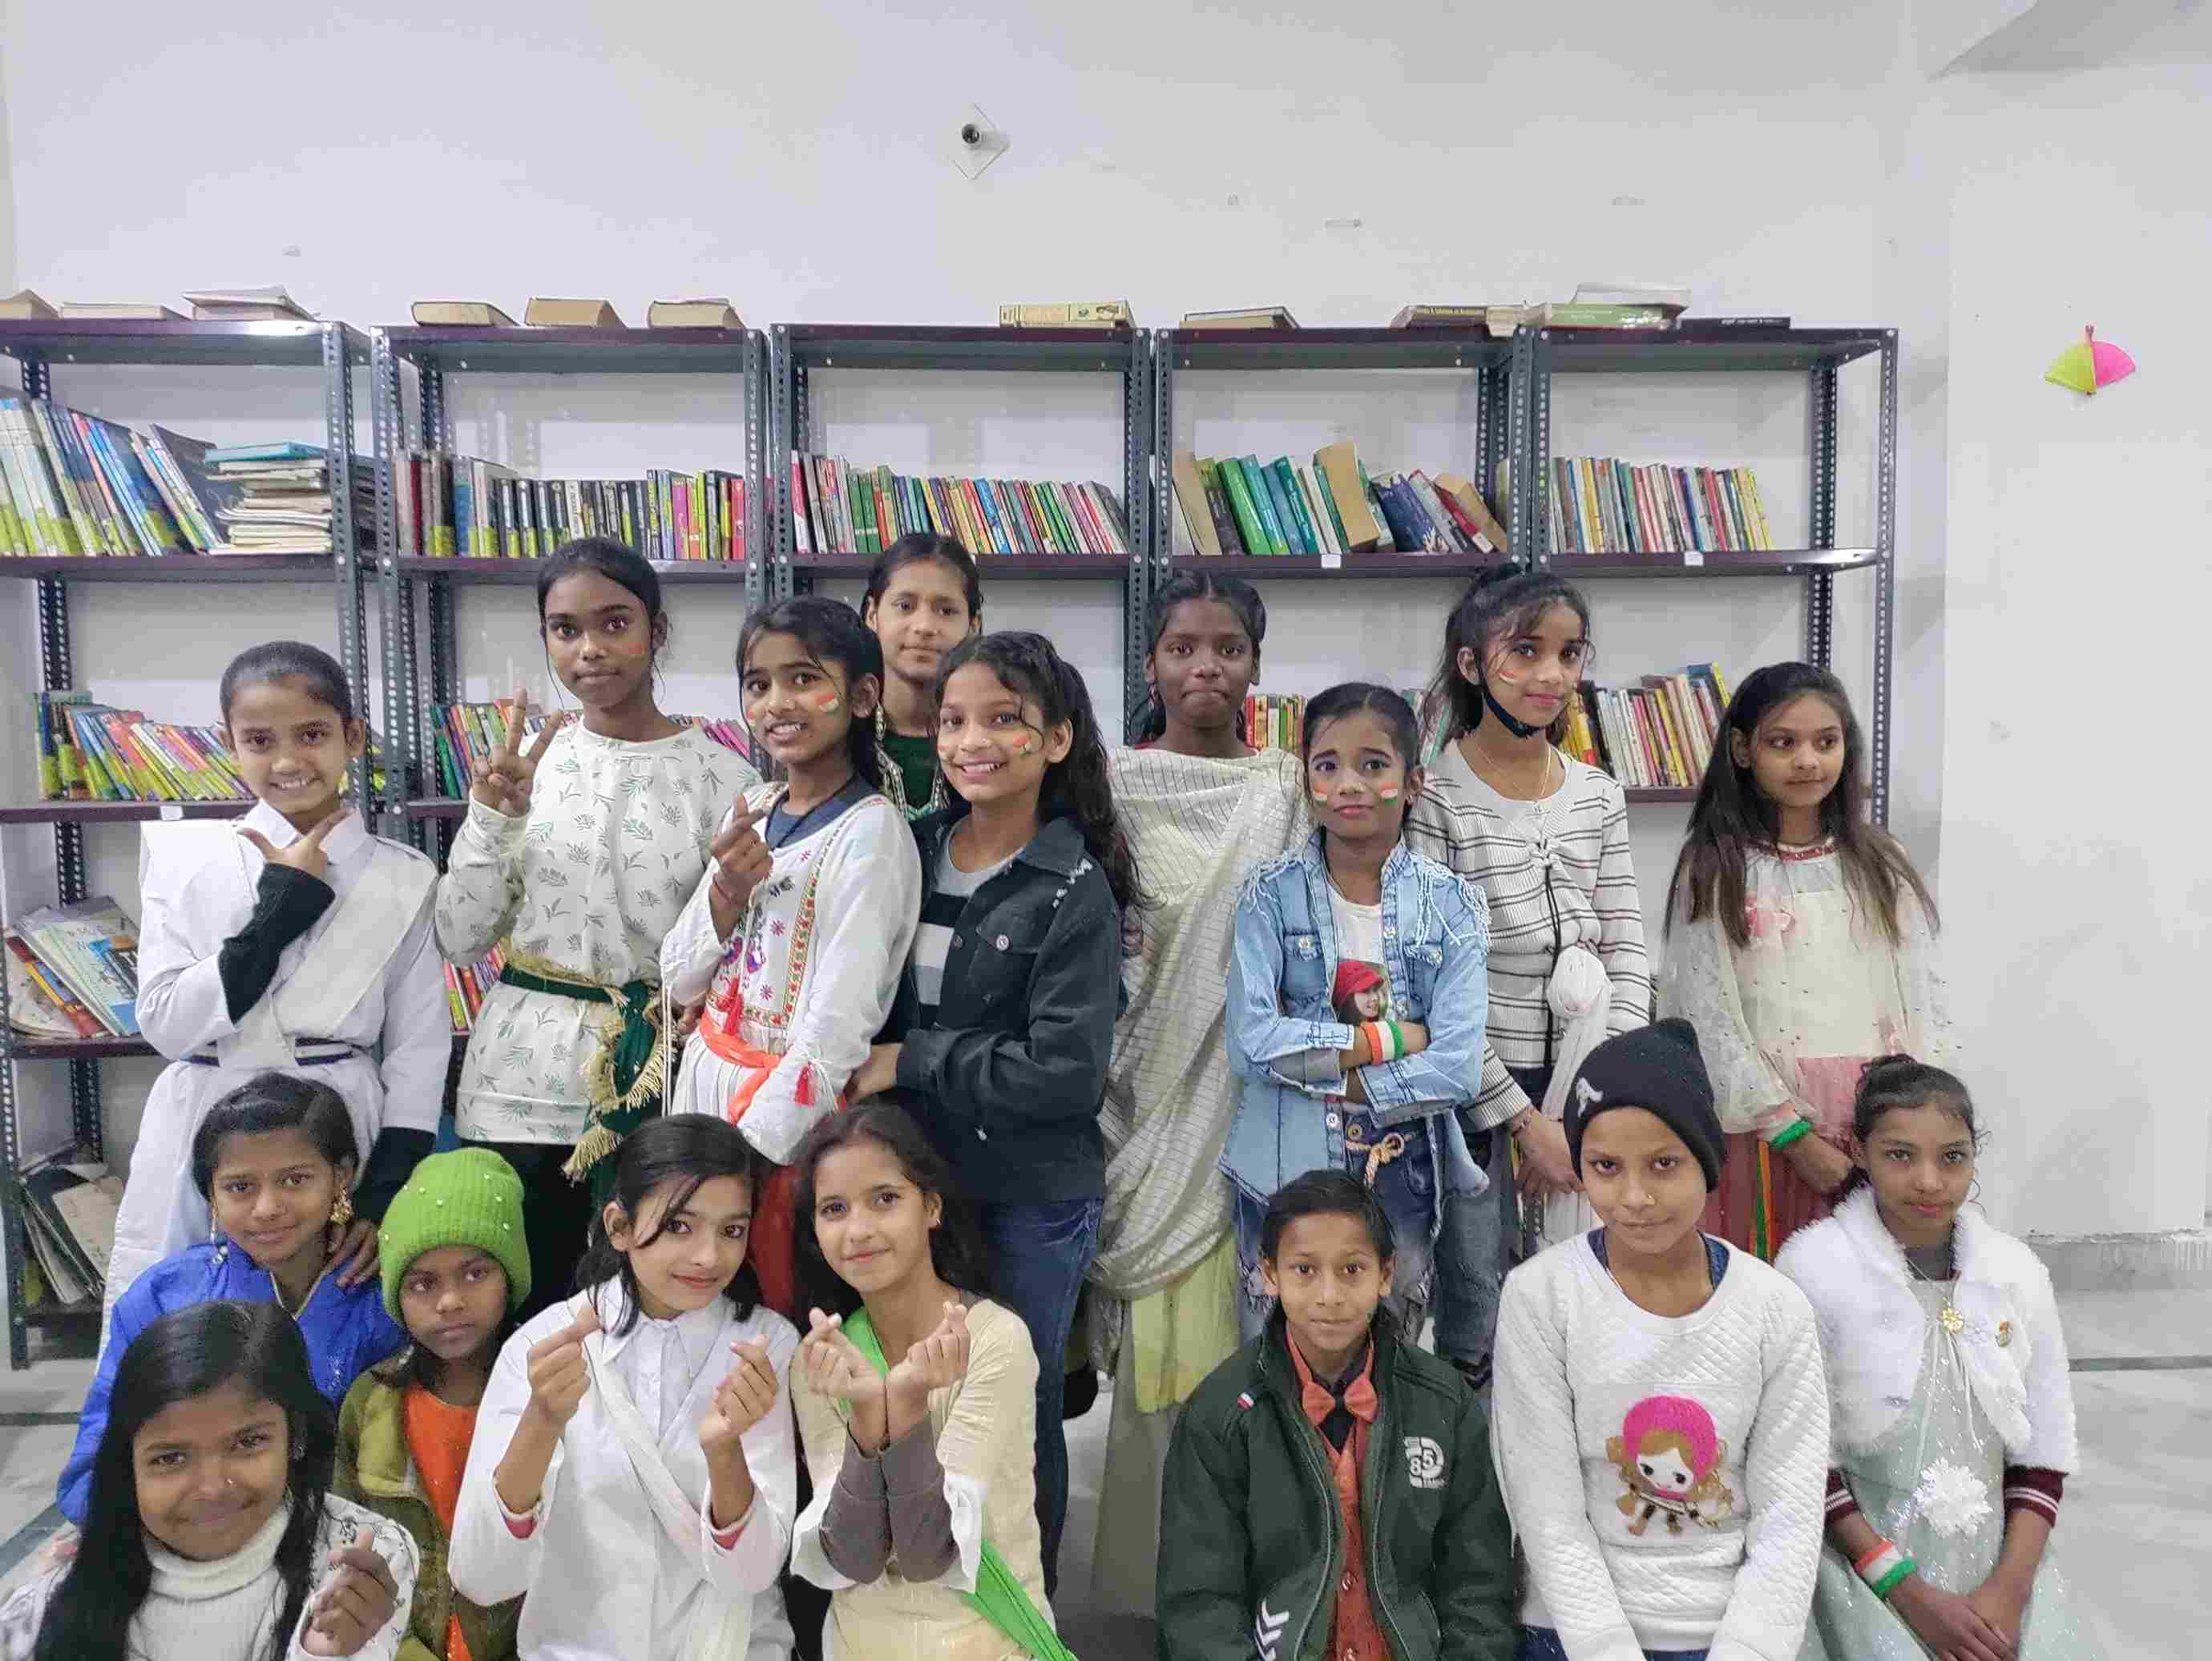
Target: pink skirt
1762	1200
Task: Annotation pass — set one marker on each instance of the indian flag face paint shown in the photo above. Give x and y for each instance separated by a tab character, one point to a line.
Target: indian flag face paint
1390	792
827	702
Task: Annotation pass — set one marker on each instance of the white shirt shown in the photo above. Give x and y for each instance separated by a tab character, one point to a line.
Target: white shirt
190	908
1705	1539
615	842
599	1574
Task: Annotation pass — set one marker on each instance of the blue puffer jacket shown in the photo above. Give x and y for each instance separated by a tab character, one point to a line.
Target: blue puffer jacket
1435	937
347	1333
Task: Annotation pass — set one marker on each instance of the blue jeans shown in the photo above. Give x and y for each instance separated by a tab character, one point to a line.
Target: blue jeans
1431	1277
1039	1256
1542	1644
1489	1229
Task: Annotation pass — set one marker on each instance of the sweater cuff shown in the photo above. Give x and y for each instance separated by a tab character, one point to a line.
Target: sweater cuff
286	905
2033	1487
1840	1504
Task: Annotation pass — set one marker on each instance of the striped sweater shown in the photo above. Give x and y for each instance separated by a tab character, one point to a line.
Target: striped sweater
1563	879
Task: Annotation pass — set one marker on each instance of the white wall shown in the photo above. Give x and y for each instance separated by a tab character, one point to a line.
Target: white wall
797	159
2074	795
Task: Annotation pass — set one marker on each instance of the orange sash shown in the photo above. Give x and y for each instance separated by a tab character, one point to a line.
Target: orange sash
773	1251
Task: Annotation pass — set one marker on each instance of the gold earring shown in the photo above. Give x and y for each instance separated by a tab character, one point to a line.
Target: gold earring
342	1209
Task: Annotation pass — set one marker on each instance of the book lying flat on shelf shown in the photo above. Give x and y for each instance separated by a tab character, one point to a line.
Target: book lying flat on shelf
269	304
23	306
1600	506
844	509
1246	317
544	314
458	313
464	506
1441	316
40	1005
1068	315
692	314
91	948
1770	320
285	500
117	311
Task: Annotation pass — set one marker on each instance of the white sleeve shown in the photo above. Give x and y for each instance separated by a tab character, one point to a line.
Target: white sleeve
418	1028
2053	1444
481	888
757	1554
22	1614
1532	1436
1785	1479
867	904
993	1408
487	1561
182	1005
347	1524
1697	982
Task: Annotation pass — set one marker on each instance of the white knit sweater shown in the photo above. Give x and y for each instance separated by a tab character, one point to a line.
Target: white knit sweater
1559	879
1665	1476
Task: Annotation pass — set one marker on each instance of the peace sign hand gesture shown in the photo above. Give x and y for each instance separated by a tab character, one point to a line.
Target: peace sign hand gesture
501	782
306	856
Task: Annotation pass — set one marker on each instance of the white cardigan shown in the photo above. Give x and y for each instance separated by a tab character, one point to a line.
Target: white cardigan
1873	1331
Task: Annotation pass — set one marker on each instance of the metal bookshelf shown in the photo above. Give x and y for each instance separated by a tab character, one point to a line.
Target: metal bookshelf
433	353
804	349
1539	355
38	348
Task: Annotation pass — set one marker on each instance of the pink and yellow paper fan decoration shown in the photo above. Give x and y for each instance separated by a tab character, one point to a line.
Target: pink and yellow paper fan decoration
2089	364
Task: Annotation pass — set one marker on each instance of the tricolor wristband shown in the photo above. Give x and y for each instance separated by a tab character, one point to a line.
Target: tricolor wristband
1884	1568
1380	1042
1397	1039
1796	1132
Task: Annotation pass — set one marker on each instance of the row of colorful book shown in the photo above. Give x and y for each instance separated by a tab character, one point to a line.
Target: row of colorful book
91	751
844	509
1238	506
468	984
1601	506
73	485
73	971
1656	734
467	732
464	506
1277	720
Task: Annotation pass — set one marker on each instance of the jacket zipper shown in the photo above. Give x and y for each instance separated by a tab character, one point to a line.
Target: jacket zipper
1328	1524
1372	1514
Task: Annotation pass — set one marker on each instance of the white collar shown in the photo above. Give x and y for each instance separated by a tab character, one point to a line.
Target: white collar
347	839
696	1332
1861	1217
188	1581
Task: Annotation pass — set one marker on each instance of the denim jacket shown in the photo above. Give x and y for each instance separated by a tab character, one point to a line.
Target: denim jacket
1435	937
1009	1080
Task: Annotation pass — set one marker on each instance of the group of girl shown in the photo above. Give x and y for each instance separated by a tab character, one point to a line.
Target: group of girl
941	1082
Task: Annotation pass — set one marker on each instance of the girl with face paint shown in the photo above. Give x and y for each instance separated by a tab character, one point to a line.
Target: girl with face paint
798	933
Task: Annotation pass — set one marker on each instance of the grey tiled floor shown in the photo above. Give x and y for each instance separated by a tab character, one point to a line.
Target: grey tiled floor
2135	1537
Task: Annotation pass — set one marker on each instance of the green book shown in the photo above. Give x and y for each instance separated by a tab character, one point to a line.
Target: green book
1239	492
1287	481
1329	501
865	539
1387	543
1263	503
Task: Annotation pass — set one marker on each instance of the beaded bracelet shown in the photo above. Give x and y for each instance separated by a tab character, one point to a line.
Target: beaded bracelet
1884	1568
1796	1132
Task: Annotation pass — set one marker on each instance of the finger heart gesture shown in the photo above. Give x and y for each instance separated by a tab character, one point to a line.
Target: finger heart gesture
833	1363
738	861
353	1604
941	1360
502	781
742	1400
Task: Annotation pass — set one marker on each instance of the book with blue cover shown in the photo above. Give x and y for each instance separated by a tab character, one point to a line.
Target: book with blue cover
287	451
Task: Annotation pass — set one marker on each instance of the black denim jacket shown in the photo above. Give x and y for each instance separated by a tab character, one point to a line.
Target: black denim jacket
1009	1078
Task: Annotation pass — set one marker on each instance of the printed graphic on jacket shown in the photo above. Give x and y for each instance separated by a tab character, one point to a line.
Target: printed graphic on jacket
1362	992
1669	1458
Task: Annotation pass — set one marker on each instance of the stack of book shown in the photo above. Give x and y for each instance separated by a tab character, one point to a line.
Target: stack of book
844	509
285	499
1600	506
1656	734
461	507
467	732
466	985
69	1208
79	967
72	483
1238	506
91	751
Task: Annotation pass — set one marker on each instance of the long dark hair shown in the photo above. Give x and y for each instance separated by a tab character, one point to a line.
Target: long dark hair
1890	1082
914	548
679	1152
956	1246
288	659
1076	787
1732	817
275	1101
1505	600
832	632
1238	595
189	1353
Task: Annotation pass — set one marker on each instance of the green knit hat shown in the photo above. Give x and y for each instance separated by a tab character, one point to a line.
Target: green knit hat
469	1197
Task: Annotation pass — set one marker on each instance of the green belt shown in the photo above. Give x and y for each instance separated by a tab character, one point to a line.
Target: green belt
626	1077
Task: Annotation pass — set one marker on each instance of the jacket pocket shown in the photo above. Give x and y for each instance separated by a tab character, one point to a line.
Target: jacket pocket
1305	977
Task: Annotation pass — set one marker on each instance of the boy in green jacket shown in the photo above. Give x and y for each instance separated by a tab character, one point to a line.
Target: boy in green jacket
1329	1489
